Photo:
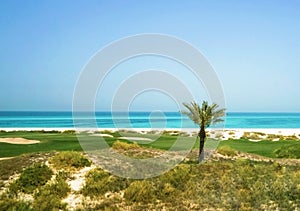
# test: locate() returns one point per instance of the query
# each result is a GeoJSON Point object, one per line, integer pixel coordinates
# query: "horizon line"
{"type": "Point", "coordinates": [144, 111]}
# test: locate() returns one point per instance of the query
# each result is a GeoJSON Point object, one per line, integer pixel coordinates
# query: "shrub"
{"type": "Point", "coordinates": [99, 182]}
{"type": "Point", "coordinates": [69, 160]}
{"type": "Point", "coordinates": [167, 193]}
{"type": "Point", "coordinates": [49, 196]}
{"type": "Point", "coordinates": [140, 191]}
{"type": "Point", "coordinates": [273, 136]}
{"type": "Point", "coordinates": [176, 176]}
{"type": "Point", "coordinates": [48, 202]}
{"type": "Point", "coordinates": [9, 204]}
{"type": "Point", "coordinates": [218, 135]}
{"type": "Point", "coordinates": [58, 188]}
{"type": "Point", "coordinates": [119, 145]}
{"type": "Point", "coordinates": [293, 138]}
{"type": "Point", "coordinates": [231, 133]}
{"type": "Point", "coordinates": [17, 164]}
{"type": "Point", "coordinates": [291, 151]}
{"type": "Point", "coordinates": [227, 150]}
{"type": "Point", "coordinates": [105, 204]}
{"type": "Point", "coordinates": [252, 135]}
{"type": "Point", "coordinates": [260, 133]}
{"type": "Point", "coordinates": [69, 132]}
{"type": "Point", "coordinates": [63, 175]}
{"type": "Point", "coordinates": [31, 178]}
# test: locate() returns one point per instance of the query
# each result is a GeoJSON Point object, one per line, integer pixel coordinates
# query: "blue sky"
{"type": "Point", "coordinates": [254, 47]}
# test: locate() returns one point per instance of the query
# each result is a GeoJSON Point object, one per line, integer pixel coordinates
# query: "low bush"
{"type": "Point", "coordinates": [69, 160]}
{"type": "Point", "coordinates": [98, 182]}
{"type": "Point", "coordinates": [119, 145]}
{"type": "Point", "coordinates": [69, 132]}
{"type": "Point", "coordinates": [218, 135]}
{"type": "Point", "coordinates": [58, 188]}
{"type": "Point", "coordinates": [231, 133]}
{"type": "Point", "coordinates": [48, 202]}
{"type": "Point", "coordinates": [140, 191]}
{"type": "Point", "coordinates": [10, 204]}
{"type": "Point", "coordinates": [105, 204]}
{"type": "Point", "coordinates": [32, 178]}
{"type": "Point", "coordinates": [274, 136]}
{"type": "Point", "coordinates": [63, 175]}
{"type": "Point", "coordinates": [227, 150]}
{"type": "Point", "coordinates": [292, 138]}
{"type": "Point", "coordinates": [49, 196]}
{"type": "Point", "coordinates": [291, 151]}
{"type": "Point", "coordinates": [176, 176]}
{"type": "Point", "coordinates": [251, 135]}
{"type": "Point", "coordinates": [260, 133]}
{"type": "Point", "coordinates": [17, 164]}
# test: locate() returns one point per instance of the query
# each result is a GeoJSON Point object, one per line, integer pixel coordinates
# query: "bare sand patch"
{"type": "Point", "coordinates": [18, 141]}
{"type": "Point", "coordinates": [103, 135]}
{"type": "Point", "coordinates": [254, 140]}
{"type": "Point", "coordinates": [136, 138]}
{"type": "Point", "coordinates": [6, 158]}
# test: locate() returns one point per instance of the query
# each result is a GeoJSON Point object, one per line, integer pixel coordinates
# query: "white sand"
{"type": "Point", "coordinates": [18, 141]}
{"type": "Point", "coordinates": [74, 199]}
{"type": "Point", "coordinates": [238, 133]}
{"type": "Point", "coordinates": [103, 135]}
{"type": "Point", "coordinates": [6, 158]}
{"type": "Point", "coordinates": [135, 138]}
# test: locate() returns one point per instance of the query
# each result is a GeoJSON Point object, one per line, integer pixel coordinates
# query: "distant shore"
{"type": "Point", "coordinates": [224, 134]}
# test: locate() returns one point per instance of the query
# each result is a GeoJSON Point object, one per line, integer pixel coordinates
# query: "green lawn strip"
{"type": "Point", "coordinates": [56, 141]}
{"type": "Point", "coordinates": [49, 142]}
{"type": "Point", "coordinates": [163, 142]}
{"type": "Point", "coordinates": [264, 148]}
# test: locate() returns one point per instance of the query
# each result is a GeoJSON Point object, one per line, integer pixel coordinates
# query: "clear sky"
{"type": "Point", "coordinates": [254, 47]}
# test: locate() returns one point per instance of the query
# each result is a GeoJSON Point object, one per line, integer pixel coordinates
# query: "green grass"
{"type": "Point", "coordinates": [264, 148]}
{"type": "Point", "coordinates": [49, 142]}
{"type": "Point", "coordinates": [57, 141]}
{"type": "Point", "coordinates": [289, 151]}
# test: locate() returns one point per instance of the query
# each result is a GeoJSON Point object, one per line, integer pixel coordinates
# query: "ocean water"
{"type": "Point", "coordinates": [143, 120]}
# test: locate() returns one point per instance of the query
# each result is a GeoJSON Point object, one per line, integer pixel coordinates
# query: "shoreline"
{"type": "Point", "coordinates": [275, 131]}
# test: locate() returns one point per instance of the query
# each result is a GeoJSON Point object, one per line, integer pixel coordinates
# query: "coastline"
{"type": "Point", "coordinates": [224, 133]}
{"type": "Point", "coordinates": [271, 130]}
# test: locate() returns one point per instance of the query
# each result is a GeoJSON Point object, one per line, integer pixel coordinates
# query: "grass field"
{"type": "Point", "coordinates": [264, 148]}
{"type": "Point", "coordinates": [49, 142]}
{"type": "Point", "coordinates": [57, 141]}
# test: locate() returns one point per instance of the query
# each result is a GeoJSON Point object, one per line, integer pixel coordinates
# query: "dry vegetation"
{"type": "Point", "coordinates": [229, 184]}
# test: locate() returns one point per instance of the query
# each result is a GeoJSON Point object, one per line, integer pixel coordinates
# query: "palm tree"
{"type": "Point", "coordinates": [203, 116]}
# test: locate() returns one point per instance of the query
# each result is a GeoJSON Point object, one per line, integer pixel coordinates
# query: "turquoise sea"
{"type": "Point", "coordinates": [144, 120]}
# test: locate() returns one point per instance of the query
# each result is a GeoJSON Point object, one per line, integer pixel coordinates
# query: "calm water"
{"type": "Point", "coordinates": [144, 120]}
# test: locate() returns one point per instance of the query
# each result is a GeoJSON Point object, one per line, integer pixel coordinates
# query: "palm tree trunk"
{"type": "Point", "coordinates": [202, 136]}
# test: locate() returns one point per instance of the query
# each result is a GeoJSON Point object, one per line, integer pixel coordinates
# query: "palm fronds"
{"type": "Point", "coordinates": [204, 115]}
